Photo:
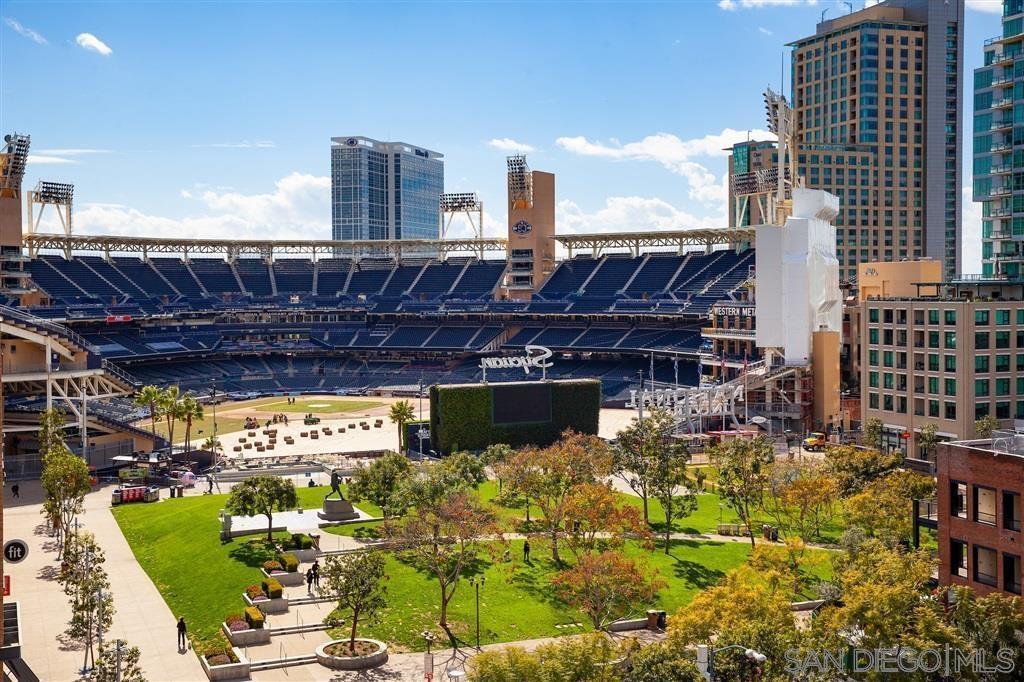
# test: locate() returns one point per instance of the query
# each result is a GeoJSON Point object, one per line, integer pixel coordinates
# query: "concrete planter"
{"type": "Point", "coordinates": [294, 579]}
{"type": "Point", "coordinates": [305, 555]}
{"type": "Point", "coordinates": [378, 658]}
{"type": "Point", "coordinates": [247, 637]}
{"type": "Point", "coordinates": [229, 671]}
{"type": "Point", "coordinates": [267, 606]}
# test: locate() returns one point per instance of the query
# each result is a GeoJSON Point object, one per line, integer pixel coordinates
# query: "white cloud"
{"type": "Point", "coordinates": [244, 144]}
{"type": "Point", "coordinates": [629, 214]}
{"type": "Point", "coordinates": [764, 31]}
{"type": "Point", "coordinates": [62, 156]}
{"type": "Point", "coordinates": [990, 6]}
{"type": "Point", "coordinates": [25, 31]}
{"type": "Point", "coordinates": [733, 5]}
{"type": "Point", "coordinates": [507, 144]}
{"type": "Point", "coordinates": [674, 154]}
{"type": "Point", "coordinates": [88, 41]}
{"type": "Point", "coordinates": [46, 160]}
{"type": "Point", "coordinates": [970, 237]}
{"type": "Point", "coordinates": [297, 208]}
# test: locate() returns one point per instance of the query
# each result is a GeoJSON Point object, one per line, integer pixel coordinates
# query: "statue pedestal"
{"type": "Point", "coordinates": [338, 510]}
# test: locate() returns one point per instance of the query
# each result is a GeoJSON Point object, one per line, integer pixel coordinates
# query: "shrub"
{"type": "Point", "coordinates": [272, 588]}
{"type": "Point", "coordinates": [236, 622]}
{"type": "Point", "coordinates": [289, 562]}
{"type": "Point", "coordinates": [220, 656]}
{"type": "Point", "coordinates": [271, 566]}
{"type": "Point", "coordinates": [254, 617]}
{"type": "Point", "coordinates": [301, 541]}
{"type": "Point", "coordinates": [255, 592]}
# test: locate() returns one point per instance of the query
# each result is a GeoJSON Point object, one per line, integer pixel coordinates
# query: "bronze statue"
{"type": "Point", "coordinates": [335, 486]}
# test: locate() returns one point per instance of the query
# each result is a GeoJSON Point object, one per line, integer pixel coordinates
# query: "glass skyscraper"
{"type": "Point", "coordinates": [384, 190]}
{"type": "Point", "coordinates": [999, 146]}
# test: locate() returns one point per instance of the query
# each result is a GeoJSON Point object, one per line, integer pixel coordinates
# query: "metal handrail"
{"type": "Point", "coordinates": [124, 376]}
{"type": "Point", "coordinates": [60, 330]}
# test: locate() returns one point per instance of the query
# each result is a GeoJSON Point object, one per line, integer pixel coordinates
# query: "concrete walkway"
{"type": "Point", "coordinates": [142, 618]}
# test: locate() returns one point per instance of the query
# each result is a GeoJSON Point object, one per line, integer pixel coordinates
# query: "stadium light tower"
{"type": "Point", "coordinates": [782, 122]}
{"type": "Point", "coordinates": [466, 203]}
{"type": "Point", "coordinates": [56, 194]}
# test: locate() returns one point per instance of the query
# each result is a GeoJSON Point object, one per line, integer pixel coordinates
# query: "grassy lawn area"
{"type": "Point", "coordinates": [317, 405]}
{"type": "Point", "coordinates": [517, 600]}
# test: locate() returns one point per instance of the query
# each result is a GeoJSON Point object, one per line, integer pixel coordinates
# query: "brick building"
{"type": "Point", "coordinates": [980, 483]}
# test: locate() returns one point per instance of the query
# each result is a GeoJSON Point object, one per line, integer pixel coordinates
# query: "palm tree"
{"type": "Point", "coordinates": [401, 414]}
{"type": "Point", "coordinates": [190, 411]}
{"type": "Point", "coordinates": [149, 397]}
{"type": "Point", "coordinates": [169, 408]}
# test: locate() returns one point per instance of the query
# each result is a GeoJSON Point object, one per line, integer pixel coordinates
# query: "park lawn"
{"type": "Point", "coordinates": [177, 542]}
{"type": "Point", "coordinates": [518, 601]}
{"type": "Point", "coordinates": [315, 405]}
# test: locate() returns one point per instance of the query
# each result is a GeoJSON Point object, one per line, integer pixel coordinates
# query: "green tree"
{"type": "Point", "coordinates": [85, 582]}
{"type": "Point", "coordinates": [872, 433]}
{"type": "Point", "coordinates": [984, 427]}
{"type": "Point", "coordinates": [401, 414]}
{"type": "Point", "coordinates": [381, 482]}
{"type": "Point", "coordinates": [927, 439]}
{"type": "Point", "coordinates": [65, 477]}
{"type": "Point", "coordinates": [643, 449]}
{"type": "Point", "coordinates": [169, 406]}
{"type": "Point", "coordinates": [586, 658]}
{"type": "Point", "coordinates": [672, 486]}
{"type": "Point", "coordinates": [189, 411]}
{"type": "Point", "coordinates": [114, 666]}
{"type": "Point", "coordinates": [606, 587]}
{"type": "Point", "coordinates": [884, 508]}
{"type": "Point", "coordinates": [443, 540]}
{"type": "Point", "coordinates": [494, 456]}
{"type": "Point", "coordinates": [357, 581]}
{"type": "Point", "coordinates": [800, 498]}
{"type": "Point", "coordinates": [149, 397]}
{"type": "Point", "coordinates": [463, 466]}
{"type": "Point", "coordinates": [742, 465]}
{"type": "Point", "coordinates": [854, 467]}
{"type": "Point", "coordinates": [548, 476]}
{"type": "Point", "coordinates": [262, 495]}
{"type": "Point", "coordinates": [660, 662]}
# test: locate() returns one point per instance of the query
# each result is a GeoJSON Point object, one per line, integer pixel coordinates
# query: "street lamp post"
{"type": "Point", "coordinates": [706, 658]}
{"type": "Point", "coordinates": [477, 582]}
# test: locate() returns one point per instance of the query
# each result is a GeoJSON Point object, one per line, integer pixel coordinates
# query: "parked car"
{"type": "Point", "coordinates": [815, 442]}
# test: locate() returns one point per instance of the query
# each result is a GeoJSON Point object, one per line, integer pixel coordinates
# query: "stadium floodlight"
{"type": "Point", "coordinates": [520, 182]}
{"type": "Point", "coordinates": [467, 203]}
{"type": "Point", "coordinates": [60, 195]}
{"type": "Point", "coordinates": [13, 159]}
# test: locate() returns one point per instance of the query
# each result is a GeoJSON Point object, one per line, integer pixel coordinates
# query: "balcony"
{"type": "Point", "coordinates": [1001, 125]}
{"type": "Point", "coordinates": [1002, 103]}
{"type": "Point", "coordinates": [999, 192]}
{"type": "Point", "coordinates": [1000, 146]}
{"type": "Point", "coordinates": [999, 170]}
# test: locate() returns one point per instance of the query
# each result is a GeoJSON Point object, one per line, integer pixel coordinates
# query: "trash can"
{"type": "Point", "coordinates": [656, 620]}
{"type": "Point", "coordinates": [766, 531]}
{"type": "Point", "coordinates": [115, 496]}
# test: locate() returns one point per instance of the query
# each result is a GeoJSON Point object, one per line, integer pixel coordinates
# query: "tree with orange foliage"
{"type": "Point", "coordinates": [597, 519]}
{"type": "Point", "coordinates": [550, 474]}
{"type": "Point", "coordinates": [606, 587]}
{"type": "Point", "coordinates": [444, 539]}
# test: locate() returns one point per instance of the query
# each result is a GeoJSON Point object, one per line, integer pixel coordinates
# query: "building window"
{"type": "Point", "coordinates": [873, 379]}
{"type": "Point", "coordinates": [872, 314]}
{"type": "Point", "coordinates": [958, 499]}
{"type": "Point", "coordinates": [980, 340]}
{"type": "Point", "coordinates": [933, 339]}
{"type": "Point", "coordinates": [1011, 510]}
{"type": "Point", "coordinates": [949, 387]}
{"type": "Point", "coordinates": [980, 317]}
{"type": "Point", "coordinates": [1002, 317]}
{"type": "Point", "coordinates": [950, 410]}
{"type": "Point", "coordinates": [950, 316]}
{"type": "Point", "coordinates": [873, 401]}
{"type": "Point", "coordinates": [1003, 410]}
{"type": "Point", "coordinates": [950, 363]}
{"type": "Point", "coordinates": [933, 316]}
{"type": "Point", "coordinates": [933, 362]}
{"type": "Point", "coordinates": [1002, 363]}
{"type": "Point", "coordinates": [1002, 339]}
{"type": "Point", "coordinates": [980, 363]}
{"type": "Point", "coordinates": [873, 336]}
{"type": "Point", "coordinates": [933, 408]}
{"type": "Point", "coordinates": [951, 340]}
{"type": "Point", "coordinates": [985, 566]}
{"type": "Point", "coordinates": [981, 387]}
{"type": "Point", "coordinates": [1011, 573]}
{"type": "Point", "coordinates": [958, 558]}
{"type": "Point", "coordinates": [984, 505]}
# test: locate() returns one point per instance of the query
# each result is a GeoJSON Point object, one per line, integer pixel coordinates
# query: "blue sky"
{"type": "Point", "coordinates": [215, 119]}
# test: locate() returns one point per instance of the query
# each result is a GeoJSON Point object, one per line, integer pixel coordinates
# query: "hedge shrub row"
{"type": "Point", "coordinates": [272, 588]}
{"type": "Point", "coordinates": [288, 562]}
{"type": "Point", "coordinates": [271, 566]}
{"type": "Point", "coordinates": [460, 416]}
{"type": "Point", "coordinates": [254, 592]}
{"type": "Point", "coordinates": [254, 617]}
{"type": "Point", "coordinates": [301, 541]}
{"type": "Point", "coordinates": [236, 622]}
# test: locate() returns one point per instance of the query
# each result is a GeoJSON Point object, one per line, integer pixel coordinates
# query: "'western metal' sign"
{"type": "Point", "coordinates": [536, 356]}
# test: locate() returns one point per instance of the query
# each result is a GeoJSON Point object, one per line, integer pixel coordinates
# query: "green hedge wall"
{"type": "Point", "coordinates": [460, 416]}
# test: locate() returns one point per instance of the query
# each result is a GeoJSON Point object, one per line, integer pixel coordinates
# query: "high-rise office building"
{"type": "Point", "coordinates": [999, 145]}
{"type": "Point", "coordinates": [384, 190]}
{"type": "Point", "coordinates": [877, 95]}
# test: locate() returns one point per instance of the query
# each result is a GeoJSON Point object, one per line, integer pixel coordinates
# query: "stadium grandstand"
{"type": "Point", "coordinates": [358, 324]}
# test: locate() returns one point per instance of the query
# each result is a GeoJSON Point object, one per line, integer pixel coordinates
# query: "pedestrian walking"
{"type": "Point", "coordinates": [309, 581]}
{"type": "Point", "coordinates": [182, 631]}
{"type": "Point", "coordinates": [15, 490]}
{"type": "Point", "coordinates": [209, 483]}
{"type": "Point", "coordinates": [316, 573]}
{"type": "Point", "coordinates": [526, 551]}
